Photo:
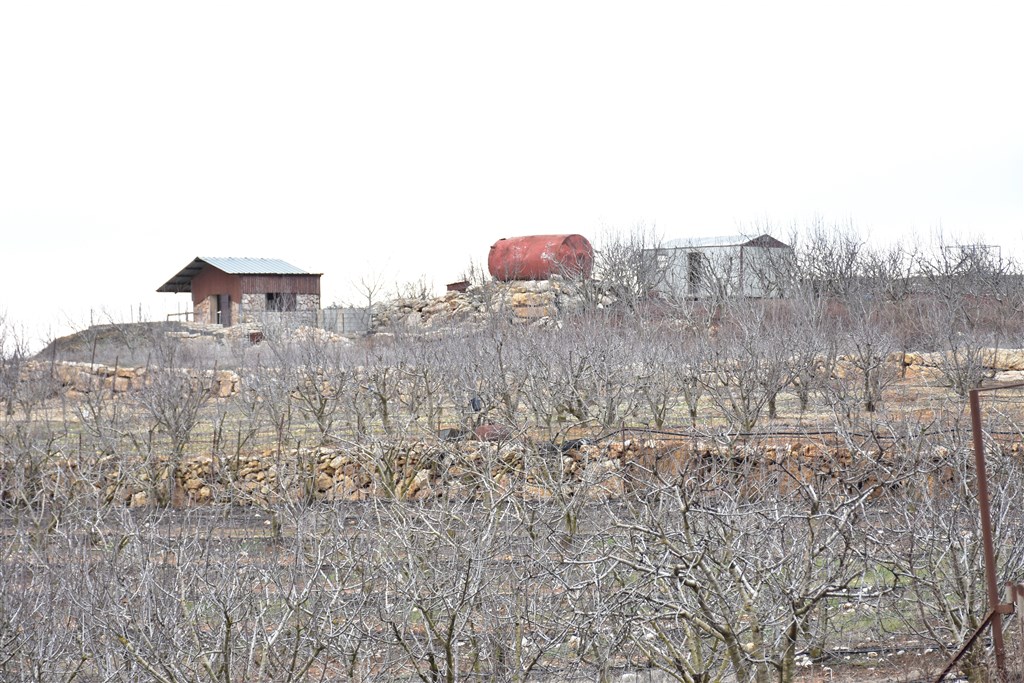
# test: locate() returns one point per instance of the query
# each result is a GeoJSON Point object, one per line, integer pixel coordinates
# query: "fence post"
{"type": "Point", "coordinates": [986, 534]}
{"type": "Point", "coordinates": [1017, 599]}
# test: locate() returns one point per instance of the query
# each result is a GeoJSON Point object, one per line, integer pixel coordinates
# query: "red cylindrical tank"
{"type": "Point", "coordinates": [538, 257]}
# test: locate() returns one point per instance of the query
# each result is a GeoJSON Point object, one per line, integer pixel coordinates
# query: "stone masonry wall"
{"type": "Point", "coordinates": [203, 311]}
{"type": "Point", "coordinates": [421, 470]}
{"type": "Point", "coordinates": [83, 378]}
{"type": "Point", "coordinates": [539, 302]}
{"type": "Point", "coordinates": [253, 306]}
{"type": "Point", "coordinates": [307, 302]}
{"type": "Point", "coordinates": [254, 309]}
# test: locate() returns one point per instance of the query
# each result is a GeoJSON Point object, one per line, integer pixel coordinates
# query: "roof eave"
{"type": "Point", "coordinates": [182, 282]}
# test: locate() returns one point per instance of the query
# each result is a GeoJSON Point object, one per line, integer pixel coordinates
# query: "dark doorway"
{"type": "Point", "coordinates": [224, 309]}
{"type": "Point", "coordinates": [697, 270]}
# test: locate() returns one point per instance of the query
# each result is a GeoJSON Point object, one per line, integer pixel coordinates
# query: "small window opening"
{"type": "Point", "coordinates": [280, 301]}
{"type": "Point", "coordinates": [698, 267]}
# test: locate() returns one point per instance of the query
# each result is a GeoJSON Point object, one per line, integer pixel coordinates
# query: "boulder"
{"type": "Point", "coordinates": [1003, 359]}
{"type": "Point", "coordinates": [117, 384]}
{"type": "Point", "coordinates": [534, 312]}
{"type": "Point", "coordinates": [603, 479]}
{"type": "Point", "coordinates": [225, 383]}
{"type": "Point", "coordinates": [1009, 376]}
{"type": "Point", "coordinates": [324, 482]}
{"type": "Point", "coordinates": [925, 374]}
{"type": "Point", "coordinates": [420, 484]}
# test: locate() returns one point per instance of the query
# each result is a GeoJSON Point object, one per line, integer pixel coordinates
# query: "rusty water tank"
{"type": "Point", "coordinates": [538, 257]}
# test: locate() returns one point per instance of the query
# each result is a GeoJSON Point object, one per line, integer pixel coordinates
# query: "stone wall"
{"type": "Point", "coordinates": [90, 377]}
{"type": "Point", "coordinates": [254, 310]}
{"type": "Point", "coordinates": [206, 311]}
{"type": "Point", "coordinates": [253, 306]}
{"type": "Point", "coordinates": [539, 302]}
{"type": "Point", "coordinates": [421, 470]}
{"type": "Point", "coordinates": [405, 471]}
{"type": "Point", "coordinates": [85, 378]}
{"type": "Point", "coordinates": [202, 312]}
{"type": "Point", "coordinates": [1003, 365]}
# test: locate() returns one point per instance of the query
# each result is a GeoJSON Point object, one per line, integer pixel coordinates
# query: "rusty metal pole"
{"type": "Point", "coordinates": [1018, 604]}
{"type": "Point", "coordinates": [986, 534]}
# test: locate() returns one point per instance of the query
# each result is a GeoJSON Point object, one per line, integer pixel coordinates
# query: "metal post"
{"type": "Point", "coordinates": [1018, 604]}
{"type": "Point", "coordinates": [986, 534]}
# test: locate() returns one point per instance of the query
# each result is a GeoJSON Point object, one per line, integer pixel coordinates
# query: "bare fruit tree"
{"type": "Point", "coordinates": [736, 566]}
{"type": "Point", "coordinates": [173, 397]}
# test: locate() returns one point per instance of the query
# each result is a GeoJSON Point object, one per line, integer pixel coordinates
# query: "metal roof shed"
{"type": "Point", "coordinates": [226, 290]}
{"type": "Point", "coordinates": [731, 265]}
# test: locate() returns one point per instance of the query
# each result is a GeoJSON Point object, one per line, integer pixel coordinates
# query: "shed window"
{"type": "Point", "coordinates": [280, 301]}
{"type": "Point", "coordinates": [698, 270]}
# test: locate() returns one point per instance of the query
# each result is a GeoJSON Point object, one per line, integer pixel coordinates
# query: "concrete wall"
{"type": "Point", "coordinates": [347, 320]}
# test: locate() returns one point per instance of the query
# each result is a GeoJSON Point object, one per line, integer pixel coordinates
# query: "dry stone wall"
{"type": "Point", "coordinates": [536, 302]}
{"type": "Point", "coordinates": [1004, 365]}
{"type": "Point", "coordinates": [420, 471]}
{"type": "Point", "coordinates": [533, 302]}
{"type": "Point", "coordinates": [85, 378]}
{"type": "Point", "coordinates": [90, 377]}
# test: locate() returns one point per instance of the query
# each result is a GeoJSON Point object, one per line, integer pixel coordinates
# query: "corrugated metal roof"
{"type": "Point", "coordinates": [725, 241]}
{"type": "Point", "coordinates": [182, 282]}
{"type": "Point", "coordinates": [716, 241]}
{"type": "Point", "coordinates": [252, 266]}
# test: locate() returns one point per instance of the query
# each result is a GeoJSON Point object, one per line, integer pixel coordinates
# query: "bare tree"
{"type": "Point", "coordinates": [932, 544]}
{"type": "Point", "coordinates": [13, 353]}
{"type": "Point", "coordinates": [321, 375]}
{"type": "Point", "coordinates": [371, 290]}
{"type": "Point", "coordinates": [173, 397]}
{"type": "Point", "coordinates": [864, 368]}
{"type": "Point", "coordinates": [830, 257]}
{"type": "Point", "coordinates": [627, 266]}
{"type": "Point", "coordinates": [735, 566]}
{"type": "Point", "coordinates": [748, 367]}
{"type": "Point", "coordinates": [812, 340]}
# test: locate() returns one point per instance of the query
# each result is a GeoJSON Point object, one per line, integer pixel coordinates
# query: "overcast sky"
{"type": "Point", "coordinates": [396, 140]}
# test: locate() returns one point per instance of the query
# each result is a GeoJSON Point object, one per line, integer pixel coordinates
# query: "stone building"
{"type": "Point", "coordinates": [229, 291]}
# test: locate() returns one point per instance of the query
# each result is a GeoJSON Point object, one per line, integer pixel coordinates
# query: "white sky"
{"type": "Point", "coordinates": [401, 139]}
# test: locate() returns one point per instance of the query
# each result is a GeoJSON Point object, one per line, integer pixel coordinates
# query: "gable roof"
{"type": "Point", "coordinates": [726, 241]}
{"type": "Point", "coordinates": [182, 282]}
